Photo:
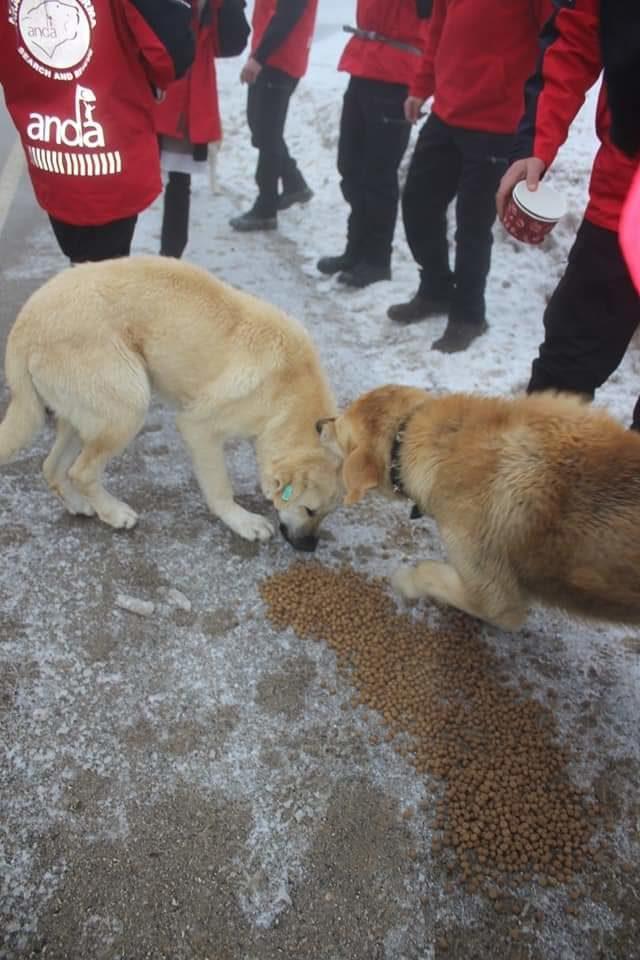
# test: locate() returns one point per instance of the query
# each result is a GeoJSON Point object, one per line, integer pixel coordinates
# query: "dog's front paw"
{"type": "Point", "coordinates": [251, 526]}
{"type": "Point", "coordinates": [120, 516]}
{"type": "Point", "coordinates": [403, 582]}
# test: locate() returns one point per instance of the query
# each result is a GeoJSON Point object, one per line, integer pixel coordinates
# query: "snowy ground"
{"type": "Point", "coordinates": [196, 784]}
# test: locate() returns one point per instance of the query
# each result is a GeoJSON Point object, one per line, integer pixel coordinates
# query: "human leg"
{"type": "Point", "coordinates": [484, 159]}
{"type": "Point", "coordinates": [432, 181]}
{"type": "Point", "coordinates": [175, 214]}
{"type": "Point", "coordinates": [267, 106]}
{"type": "Point", "coordinates": [384, 137]}
{"type": "Point", "coordinates": [590, 319]}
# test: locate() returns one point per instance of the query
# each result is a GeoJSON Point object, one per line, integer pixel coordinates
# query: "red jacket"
{"type": "Point", "coordinates": [292, 56]}
{"type": "Point", "coordinates": [77, 81]}
{"type": "Point", "coordinates": [630, 230]}
{"type": "Point", "coordinates": [190, 108]}
{"type": "Point", "coordinates": [570, 64]}
{"type": "Point", "coordinates": [477, 57]}
{"type": "Point", "coordinates": [374, 60]}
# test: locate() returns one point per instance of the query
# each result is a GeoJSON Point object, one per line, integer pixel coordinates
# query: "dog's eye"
{"type": "Point", "coordinates": [310, 513]}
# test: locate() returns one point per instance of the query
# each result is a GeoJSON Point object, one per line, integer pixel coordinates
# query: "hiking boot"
{"type": "Point", "coordinates": [331, 265]}
{"type": "Point", "coordinates": [250, 221]}
{"type": "Point", "coordinates": [459, 335]}
{"type": "Point", "coordinates": [418, 308]}
{"type": "Point", "coordinates": [364, 274]}
{"type": "Point", "coordinates": [299, 195]}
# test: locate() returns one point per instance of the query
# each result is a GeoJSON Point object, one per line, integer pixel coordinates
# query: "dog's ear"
{"type": "Point", "coordinates": [359, 474]}
{"type": "Point", "coordinates": [326, 429]}
{"type": "Point", "coordinates": [328, 434]}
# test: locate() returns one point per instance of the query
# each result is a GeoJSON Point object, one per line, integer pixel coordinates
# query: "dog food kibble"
{"type": "Point", "coordinates": [508, 807]}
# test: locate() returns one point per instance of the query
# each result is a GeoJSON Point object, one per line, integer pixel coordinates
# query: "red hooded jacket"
{"type": "Point", "coordinates": [630, 230]}
{"type": "Point", "coordinates": [477, 57]}
{"type": "Point", "coordinates": [292, 56]}
{"type": "Point", "coordinates": [77, 79]}
{"type": "Point", "coordinates": [375, 60]}
{"type": "Point", "coordinates": [570, 63]}
{"type": "Point", "coordinates": [190, 107]}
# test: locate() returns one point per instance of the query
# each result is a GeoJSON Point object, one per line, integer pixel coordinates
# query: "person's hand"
{"type": "Point", "coordinates": [412, 108]}
{"type": "Point", "coordinates": [250, 71]}
{"type": "Point", "coordinates": [530, 170]}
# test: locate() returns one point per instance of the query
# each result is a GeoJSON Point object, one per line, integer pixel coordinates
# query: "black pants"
{"type": "Point", "coordinates": [451, 162]}
{"type": "Point", "coordinates": [101, 242]}
{"type": "Point", "coordinates": [267, 106]}
{"type": "Point", "coordinates": [373, 137]}
{"type": "Point", "coordinates": [175, 215]}
{"type": "Point", "coordinates": [590, 319]}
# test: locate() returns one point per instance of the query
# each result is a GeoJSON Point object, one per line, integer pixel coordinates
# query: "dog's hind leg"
{"type": "Point", "coordinates": [55, 468]}
{"type": "Point", "coordinates": [442, 583]}
{"type": "Point", "coordinates": [207, 454]}
{"type": "Point", "coordinates": [103, 437]}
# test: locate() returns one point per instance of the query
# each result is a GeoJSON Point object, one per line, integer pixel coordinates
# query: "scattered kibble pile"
{"type": "Point", "coordinates": [508, 806]}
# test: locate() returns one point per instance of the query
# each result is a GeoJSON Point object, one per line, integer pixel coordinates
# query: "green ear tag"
{"type": "Point", "coordinates": [287, 493]}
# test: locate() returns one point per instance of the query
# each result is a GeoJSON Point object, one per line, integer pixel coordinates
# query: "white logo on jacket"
{"type": "Point", "coordinates": [80, 130]}
{"type": "Point", "coordinates": [55, 35]}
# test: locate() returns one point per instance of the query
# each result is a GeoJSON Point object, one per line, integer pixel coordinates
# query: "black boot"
{"type": "Point", "coordinates": [363, 274]}
{"type": "Point", "coordinates": [418, 308]}
{"type": "Point", "coordinates": [331, 265]}
{"type": "Point", "coordinates": [297, 191]}
{"type": "Point", "coordinates": [459, 335]}
{"type": "Point", "coordinates": [254, 220]}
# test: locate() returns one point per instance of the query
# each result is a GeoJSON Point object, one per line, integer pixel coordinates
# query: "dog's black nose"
{"type": "Point", "coordinates": [308, 544]}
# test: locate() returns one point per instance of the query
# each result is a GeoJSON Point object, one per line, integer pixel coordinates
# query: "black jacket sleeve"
{"type": "Point", "coordinates": [424, 9]}
{"type": "Point", "coordinates": [620, 43]}
{"type": "Point", "coordinates": [287, 14]}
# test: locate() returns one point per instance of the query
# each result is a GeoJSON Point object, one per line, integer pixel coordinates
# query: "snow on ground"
{"type": "Point", "coordinates": [186, 784]}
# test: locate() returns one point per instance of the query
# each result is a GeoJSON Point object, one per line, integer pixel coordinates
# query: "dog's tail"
{"type": "Point", "coordinates": [25, 414]}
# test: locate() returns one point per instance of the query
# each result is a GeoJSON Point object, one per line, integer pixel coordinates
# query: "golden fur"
{"type": "Point", "coordinates": [93, 343]}
{"type": "Point", "coordinates": [537, 498]}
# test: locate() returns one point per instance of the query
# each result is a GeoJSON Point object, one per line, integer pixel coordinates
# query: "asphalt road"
{"type": "Point", "coordinates": [21, 220]}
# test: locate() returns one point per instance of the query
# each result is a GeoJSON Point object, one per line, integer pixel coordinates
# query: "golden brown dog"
{"type": "Point", "coordinates": [537, 498]}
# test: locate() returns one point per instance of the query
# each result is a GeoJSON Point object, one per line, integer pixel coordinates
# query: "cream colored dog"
{"type": "Point", "coordinates": [93, 342]}
{"type": "Point", "coordinates": [537, 498]}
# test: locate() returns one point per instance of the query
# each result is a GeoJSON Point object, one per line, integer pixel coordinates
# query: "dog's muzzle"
{"type": "Point", "coordinates": [308, 543]}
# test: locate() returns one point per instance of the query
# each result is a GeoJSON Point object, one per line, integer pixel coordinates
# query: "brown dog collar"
{"type": "Point", "coordinates": [395, 471]}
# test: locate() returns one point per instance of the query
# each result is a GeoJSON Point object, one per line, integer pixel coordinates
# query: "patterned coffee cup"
{"type": "Point", "coordinates": [532, 214]}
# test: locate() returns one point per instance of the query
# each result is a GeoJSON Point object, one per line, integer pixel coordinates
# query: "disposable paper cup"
{"type": "Point", "coordinates": [531, 214]}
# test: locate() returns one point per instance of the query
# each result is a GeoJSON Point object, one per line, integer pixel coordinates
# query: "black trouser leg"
{"type": "Point", "coordinates": [290, 175]}
{"type": "Point", "coordinates": [350, 164]}
{"type": "Point", "coordinates": [267, 105]}
{"type": "Point", "coordinates": [373, 138]}
{"type": "Point", "coordinates": [432, 181]}
{"type": "Point", "coordinates": [386, 138]}
{"type": "Point", "coordinates": [102, 242]}
{"type": "Point", "coordinates": [484, 160]}
{"type": "Point", "coordinates": [175, 215]}
{"type": "Point", "coordinates": [590, 319]}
